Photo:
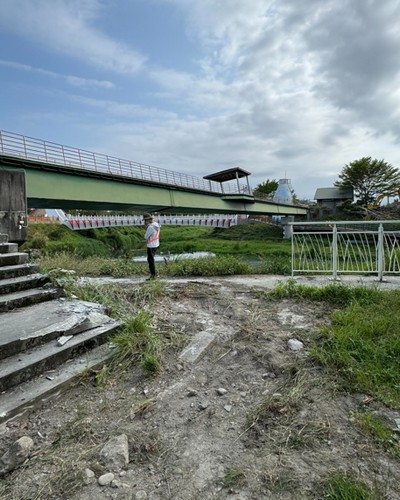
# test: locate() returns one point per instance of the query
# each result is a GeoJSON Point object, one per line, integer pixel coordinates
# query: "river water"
{"type": "Point", "coordinates": [176, 256]}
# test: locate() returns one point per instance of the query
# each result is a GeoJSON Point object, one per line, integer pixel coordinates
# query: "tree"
{"type": "Point", "coordinates": [369, 178]}
{"type": "Point", "coordinates": [267, 187]}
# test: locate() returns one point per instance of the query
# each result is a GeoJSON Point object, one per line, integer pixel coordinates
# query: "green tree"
{"type": "Point", "coordinates": [369, 178]}
{"type": "Point", "coordinates": [267, 187]}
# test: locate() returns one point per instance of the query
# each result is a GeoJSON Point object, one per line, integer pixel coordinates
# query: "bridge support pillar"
{"type": "Point", "coordinates": [287, 227]}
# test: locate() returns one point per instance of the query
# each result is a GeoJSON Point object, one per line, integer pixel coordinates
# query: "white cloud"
{"type": "Point", "coordinates": [72, 80]}
{"type": "Point", "coordinates": [281, 87]}
{"type": "Point", "coordinates": [68, 26]}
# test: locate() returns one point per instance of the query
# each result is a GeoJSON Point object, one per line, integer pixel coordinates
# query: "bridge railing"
{"type": "Point", "coordinates": [51, 153]}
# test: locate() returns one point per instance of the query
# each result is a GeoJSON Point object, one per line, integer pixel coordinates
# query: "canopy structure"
{"type": "Point", "coordinates": [229, 175]}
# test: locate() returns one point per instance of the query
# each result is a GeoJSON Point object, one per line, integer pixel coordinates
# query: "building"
{"type": "Point", "coordinates": [330, 199]}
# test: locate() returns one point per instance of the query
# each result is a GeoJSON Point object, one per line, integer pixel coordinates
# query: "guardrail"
{"type": "Point", "coordinates": [82, 222]}
{"type": "Point", "coordinates": [351, 247]}
{"type": "Point", "coordinates": [51, 153]}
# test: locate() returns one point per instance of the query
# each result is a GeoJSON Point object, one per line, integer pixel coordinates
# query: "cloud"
{"type": "Point", "coordinates": [67, 26]}
{"type": "Point", "coordinates": [279, 87]}
{"type": "Point", "coordinates": [132, 111]}
{"type": "Point", "coordinates": [72, 80]}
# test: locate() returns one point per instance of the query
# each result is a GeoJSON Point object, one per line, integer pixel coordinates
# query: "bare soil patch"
{"type": "Point", "coordinates": [251, 419]}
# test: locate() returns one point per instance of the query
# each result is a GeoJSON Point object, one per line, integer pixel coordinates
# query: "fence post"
{"type": "Point", "coordinates": [292, 238]}
{"type": "Point", "coordinates": [334, 252]}
{"type": "Point", "coordinates": [381, 253]}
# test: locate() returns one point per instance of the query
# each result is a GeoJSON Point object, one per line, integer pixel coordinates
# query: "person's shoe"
{"type": "Point", "coordinates": [151, 278]}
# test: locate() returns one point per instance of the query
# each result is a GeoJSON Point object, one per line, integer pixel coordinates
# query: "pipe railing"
{"type": "Point", "coordinates": [51, 153]}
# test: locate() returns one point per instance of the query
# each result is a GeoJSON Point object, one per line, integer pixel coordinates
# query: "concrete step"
{"type": "Point", "coordinates": [20, 283]}
{"type": "Point", "coordinates": [29, 395]}
{"type": "Point", "coordinates": [25, 298]}
{"type": "Point", "coordinates": [17, 369]}
{"type": "Point", "coordinates": [8, 247]}
{"type": "Point", "coordinates": [17, 270]}
{"type": "Point", "coordinates": [29, 327]}
{"type": "Point", "coordinates": [12, 259]}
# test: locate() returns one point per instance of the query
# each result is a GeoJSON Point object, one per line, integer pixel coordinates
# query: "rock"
{"type": "Point", "coordinates": [106, 479]}
{"type": "Point", "coordinates": [191, 392]}
{"type": "Point", "coordinates": [228, 408]}
{"type": "Point", "coordinates": [115, 452]}
{"type": "Point", "coordinates": [141, 495]}
{"type": "Point", "coordinates": [89, 476]}
{"type": "Point", "coordinates": [221, 391]}
{"type": "Point", "coordinates": [295, 345]}
{"type": "Point", "coordinates": [18, 452]}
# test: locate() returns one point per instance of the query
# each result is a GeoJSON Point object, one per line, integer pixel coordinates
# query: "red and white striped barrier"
{"type": "Point", "coordinates": [83, 222]}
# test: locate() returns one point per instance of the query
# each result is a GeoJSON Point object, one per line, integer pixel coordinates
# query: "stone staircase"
{"type": "Point", "coordinates": [46, 340]}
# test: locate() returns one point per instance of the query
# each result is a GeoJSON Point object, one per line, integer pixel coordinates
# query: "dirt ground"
{"type": "Point", "coordinates": [251, 419]}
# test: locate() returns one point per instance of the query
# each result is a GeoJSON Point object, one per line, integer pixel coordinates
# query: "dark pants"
{"type": "Point", "coordinates": [151, 252]}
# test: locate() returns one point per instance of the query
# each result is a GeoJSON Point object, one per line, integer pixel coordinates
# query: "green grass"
{"type": "Point", "coordinates": [257, 248]}
{"type": "Point", "coordinates": [335, 293]}
{"type": "Point", "coordinates": [136, 344]}
{"type": "Point", "coordinates": [342, 486]}
{"type": "Point", "coordinates": [362, 345]}
{"type": "Point", "coordinates": [379, 430]}
{"type": "Point", "coordinates": [233, 478]}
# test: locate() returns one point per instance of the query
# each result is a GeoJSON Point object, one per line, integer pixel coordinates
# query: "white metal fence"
{"type": "Point", "coordinates": [346, 247]}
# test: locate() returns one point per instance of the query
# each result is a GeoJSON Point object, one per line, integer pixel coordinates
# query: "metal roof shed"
{"type": "Point", "coordinates": [229, 175]}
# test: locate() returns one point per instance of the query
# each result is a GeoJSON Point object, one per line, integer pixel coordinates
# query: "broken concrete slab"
{"type": "Point", "coordinates": [197, 347]}
{"type": "Point", "coordinates": [47, 321]}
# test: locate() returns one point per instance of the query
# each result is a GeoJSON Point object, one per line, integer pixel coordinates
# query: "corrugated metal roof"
{"type": "Point", "coordinates": [333, 193]}
{"type": "Point", "coordinates": [227, 175]}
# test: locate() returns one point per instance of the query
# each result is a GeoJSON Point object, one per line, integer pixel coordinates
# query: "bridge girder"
{"type": "Point", "coordinates": [47, 188]}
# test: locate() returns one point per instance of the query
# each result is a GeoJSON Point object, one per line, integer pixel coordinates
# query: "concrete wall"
{"type": "Point", "coordinates": [13, 216]}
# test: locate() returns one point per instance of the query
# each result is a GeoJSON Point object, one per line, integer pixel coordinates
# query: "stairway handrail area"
{"type": "Point", "coordinates": [29, 148]}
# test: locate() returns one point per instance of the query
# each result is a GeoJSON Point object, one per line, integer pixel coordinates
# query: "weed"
{"type": "Point", "coordinates": [342, 486]}
{"type": "Point", "coordinates": [142, 407]}
{"type": "Point", "coordinates": [136, 343]}
{"type": "Point", "coordinates": [280, 405]}
{"type": "Point", "coordinates": [363, 346]}
{"type": "Point", "coordinates": [335, 293]}
{"type": "Point", "coordinates": [77, 430]}
{"type": "Point", "coordinates": [120, 301]}
{"type": "Point", "coordinates": [278, 480]}
{"type": "Point", "coordinates": [308, 434]}
{"type": "Point", "coordinates": [233, 478]}
{"type": "Point", "coordinates": [208, 266]}
{"type": "Point", "coordinates": [101, 376]}
{"type": "Point", "coordinates": [379, 430]}
{"type": "Point", "coordinates": [144, 446]}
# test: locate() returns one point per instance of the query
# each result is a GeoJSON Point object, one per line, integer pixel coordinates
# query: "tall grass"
{"type": "Point", "coordinates": [137, 343]}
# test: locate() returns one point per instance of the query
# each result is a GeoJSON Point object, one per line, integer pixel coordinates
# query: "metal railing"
{"type": "Point", "coordinates": [82, 222]}
{"type": "Point", "coordinates": [16, 145]}
{"type": "Point", "coordinates": [351, 247]}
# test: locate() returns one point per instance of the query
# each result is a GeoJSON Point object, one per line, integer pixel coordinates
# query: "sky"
{"type": "Point", "coordinates": [283, 89]}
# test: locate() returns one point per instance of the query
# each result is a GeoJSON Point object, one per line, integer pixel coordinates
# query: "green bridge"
{"type": "Point", "coordinates": [68, 178]}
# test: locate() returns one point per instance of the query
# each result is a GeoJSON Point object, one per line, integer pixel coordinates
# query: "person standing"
{"type": "Point", "coordinates": [152, 237]}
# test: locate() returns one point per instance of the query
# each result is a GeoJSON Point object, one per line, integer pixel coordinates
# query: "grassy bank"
{"type": "Point", "coordinates": [245, 249]}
